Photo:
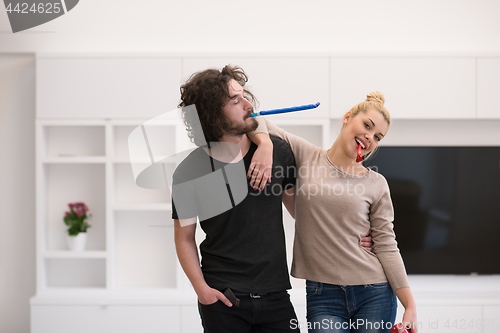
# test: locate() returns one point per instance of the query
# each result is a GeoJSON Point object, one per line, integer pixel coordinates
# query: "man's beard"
{"type": "Point", "coordinates": [240, 129]}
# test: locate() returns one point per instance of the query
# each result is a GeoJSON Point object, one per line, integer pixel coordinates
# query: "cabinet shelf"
{"type": "Point", "coordinates": [145, 160]}
{"type": "Point", "coordinates": [117, 296]}
{"type": "Point", "coordinates": [126, 160]}
{"type": "Point", "coordinates": [142, 207]}
{"type": "Point", "coordinates": [72, 139]}
{"type": "Point", "coordinates": [59, 295]}
{"type": "Point", "coordinates": [70, 254]}
{"type": "Point", "coordinates": [75, 272]}
{"type": "Point", "coordinates": [74, 160]}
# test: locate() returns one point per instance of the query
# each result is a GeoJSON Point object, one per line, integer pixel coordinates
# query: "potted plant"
{"type": "Point", "coordinates": [76, 219]}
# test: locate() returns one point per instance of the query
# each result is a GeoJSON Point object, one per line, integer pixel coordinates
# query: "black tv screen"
{"type": "Point", "coordinates": [446, 205]}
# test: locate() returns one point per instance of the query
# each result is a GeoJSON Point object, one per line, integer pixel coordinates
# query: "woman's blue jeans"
{"type": "Point", "coordinates": [361, 308]}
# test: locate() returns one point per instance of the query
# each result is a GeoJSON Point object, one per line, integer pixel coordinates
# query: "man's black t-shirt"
{"type": "Point", "coordinates": [244, 248]}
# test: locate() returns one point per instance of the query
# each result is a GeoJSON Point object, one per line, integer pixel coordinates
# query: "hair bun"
{"type": "Point", "coordinates": [376, 96]}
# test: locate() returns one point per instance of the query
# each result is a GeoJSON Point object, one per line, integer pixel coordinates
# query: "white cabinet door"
{"type": "Point", "coordinates": [106, 87]}
{"type": "Point", "coordinates": [62, 319]}
{"type": "Point", "coordinates": [104, 319]}
{"type": "Point", "coordinates": [190, 319]}
{"type": "Point", "coordinates": [414, 88]}
{"type": "Point", "coordinates": [488, 88]}
{"type": "Point", "coordinates": [278, 82]}
{"type": "Point", "coordinates": [144, 318]}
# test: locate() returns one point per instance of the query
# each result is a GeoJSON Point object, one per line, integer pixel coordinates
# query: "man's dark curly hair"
{"type": "Point", "coordinates": [209, 91]}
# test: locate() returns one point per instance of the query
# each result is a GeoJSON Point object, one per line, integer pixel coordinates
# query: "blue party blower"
{"type": "Point", "coordinates": [292, 109]}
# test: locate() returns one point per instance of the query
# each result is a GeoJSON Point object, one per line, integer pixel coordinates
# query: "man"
{"type": "Point", "coordinates": [244, 249]}
{"type": "Point", "coordinates": [243, 256]}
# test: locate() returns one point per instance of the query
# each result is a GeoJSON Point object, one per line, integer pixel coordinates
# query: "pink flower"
{"type": "Point", "coordinates": [79, 208]}
{"type": "Point", "coordinates": [66, 214]}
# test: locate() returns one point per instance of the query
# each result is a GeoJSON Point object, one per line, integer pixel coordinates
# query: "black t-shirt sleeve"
{"type": "Point", "coordinates": [286, 160]}
{"type": "Point", "coordinates": [184, 205]}
{"type": "Point", "coordinates": [174, 212]}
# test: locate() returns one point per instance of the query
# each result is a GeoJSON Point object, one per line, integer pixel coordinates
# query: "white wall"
{"type": "Point", "coordinates": [262, 25]}
{"type": "Point", "coordinates": [17, 191]}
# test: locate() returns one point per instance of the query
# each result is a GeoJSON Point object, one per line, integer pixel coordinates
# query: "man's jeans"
{"type": "Point", "coordinates": [359, 308]}
{"type": "Point", "coordinates": [267, 313]}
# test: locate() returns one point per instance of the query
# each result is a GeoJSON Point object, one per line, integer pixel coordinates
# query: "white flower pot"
{"type": "Point", "coordinates": [77, 243]}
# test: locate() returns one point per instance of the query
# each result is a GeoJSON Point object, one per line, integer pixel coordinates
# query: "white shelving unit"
{"type": "Point", "coordinates": [70, 168]}
{"type": "Point", "coordinates": [130, 255]}
{"type": "Point", "coordinates": [129, 279]}
{"type": "Point", "coordinates": [130, 243]}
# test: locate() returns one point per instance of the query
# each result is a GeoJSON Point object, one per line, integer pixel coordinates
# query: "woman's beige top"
{"type": "Point", "coordinates": [334, 209]}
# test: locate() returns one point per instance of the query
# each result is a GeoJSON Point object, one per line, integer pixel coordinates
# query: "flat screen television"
{"type": "Point", "coordinates": [446, 205]}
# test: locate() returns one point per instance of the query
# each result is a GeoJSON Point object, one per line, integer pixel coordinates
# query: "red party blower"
{"type": "Point", "coordinates": [395, 329]}
{"type": "Point", "coordinates": [360, 157]}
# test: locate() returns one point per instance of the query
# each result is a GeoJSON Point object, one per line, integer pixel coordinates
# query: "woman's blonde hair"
{"type": "Point", "coordinates": [374, 100]}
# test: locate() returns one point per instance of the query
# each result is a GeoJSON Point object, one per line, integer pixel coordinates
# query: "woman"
{"type": "Point", "coordinates": [337, 201]}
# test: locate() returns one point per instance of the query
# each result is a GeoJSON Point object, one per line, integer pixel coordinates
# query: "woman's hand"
{"type": "Point", "coordinates": [260, 169]}
{"type": "Point", "coordinates": [367, 242]}
{"type": "Point", "coordinates": [410, 315]}
{"type": "Point", "coordinates": [410, 320]}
